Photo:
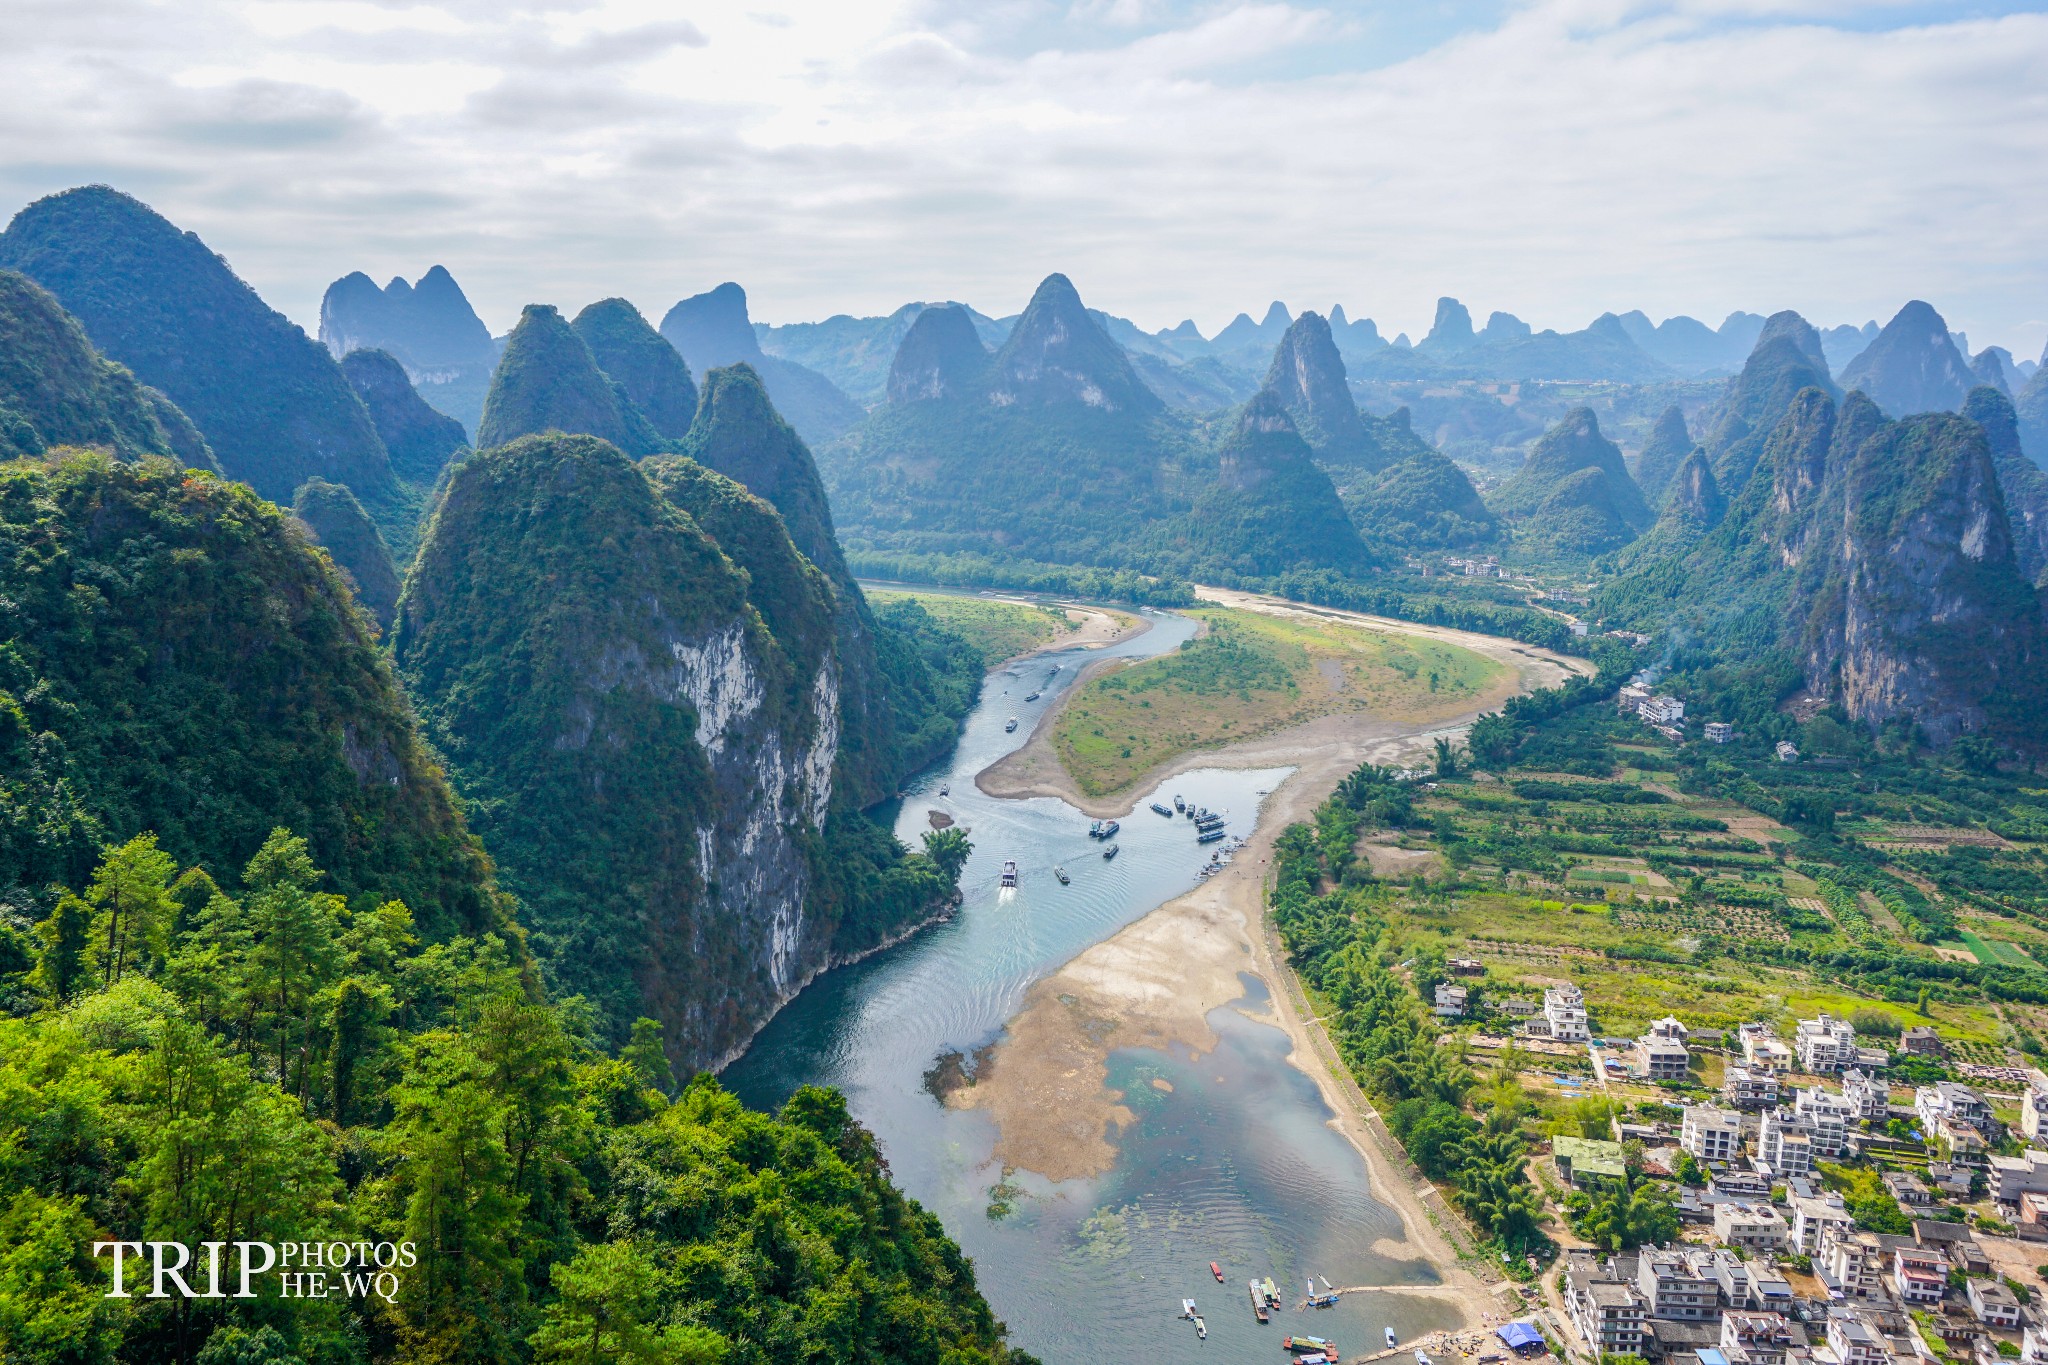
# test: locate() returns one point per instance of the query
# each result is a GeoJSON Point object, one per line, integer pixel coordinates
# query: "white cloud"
{"type": "Point", "coordinates": [1174, 158]}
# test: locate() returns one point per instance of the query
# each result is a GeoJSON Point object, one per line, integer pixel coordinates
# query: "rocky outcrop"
{"type": "Point", "coordinates": [1395, 486]}
{"type": "Point", "coordinates": [1452, 329]}
{"type": "Point", "coordinates": [2030, 407]}
{"type": "Point", "coordinates": [1937, 625]}
{"type": "Point", "coordinates": [713, 330]}
{"type": "Point", "coordinates": [1269, 508]}
{"type": "Point", "coordinates": [2023, 482]}
{"type": "Point", "coordinates": [428, 327]}
{"type": "Point", "coordinates": [641, 362]}
{"type": "Point", "coordinates": [1307, 379]}
{"type": "Point", "coordinates": [272, 403]}
{"type": "Point", "coordinates": [649, 760]}
{"type": "Point", "coordinates": [420, 440]}
{"type": "Point", "coordinates": [1913, 366]}
{"type": "Point", "coordinates": [549, 381]}
{"type": "Point", "coordinates": [1059, 356]}
{"type": "Point", "coordinates": [940, 357]}
{"type": "Point", "coordinates": [1878, 555]}
{"type": "Point", "coordinates": [1787, 358]}
{"type": "Point", "coordinates": [1573, 490]}
{"type": "Point", "coordinates": [1665, 450]}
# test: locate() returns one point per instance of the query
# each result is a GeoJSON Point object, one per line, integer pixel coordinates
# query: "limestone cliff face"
{"type": "Point", "coordinates": [1881, 556]}
{"type": "Point", "coordinates": [1937, 624]}
{"type": "Point", "coordinates": [940, 357]}
{"type": "Point", "coordinates": [651, 758]}
{"type": "Point", "coordinates": [1057, 355]}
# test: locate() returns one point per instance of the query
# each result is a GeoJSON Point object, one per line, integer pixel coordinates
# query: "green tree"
{"type": "Point", "coordinates": [1492, 742]}
{"type": "Point", "coordinates": [948, 849]}
{"type": "Point", "coordinates": [132, 907]}
{"type": "Point", "coordinates": [53, 1304]}
{"type": "Point", "coordinates": [295, 952]}
{"type": "Point", "coordinates": [359, 1007]}
{"type": "Point", "coordinates": [452, 1192]}
{"type": "Point", "coordinates": [65, 935]}
{"type": "Point", "coordinates": [1447, 756]}
{"type": "Point", "coordinates": [605, 1307]}
{"type": "Point", "coordinates": [648, 1058]}
{"type": "Point", "coordinates": [239, 1346]}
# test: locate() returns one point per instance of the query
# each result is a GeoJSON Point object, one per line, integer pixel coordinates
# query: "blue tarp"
{"type": "Point", "coordinates": [1519, 1335]}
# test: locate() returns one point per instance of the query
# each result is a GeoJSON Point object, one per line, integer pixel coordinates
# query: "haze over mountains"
{"type": "Point", "coordinates": [939, 440]}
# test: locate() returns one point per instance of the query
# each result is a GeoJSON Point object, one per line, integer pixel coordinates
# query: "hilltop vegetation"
{"type": "Point", "coordinates": [237, 1052]}
{"type": "Point", "coordinates": [56, 390]}
{"type": "Point", "coordinates": [272, 404]}
{"type": "Point", "coordinates": [661, 772]}
{"type": "Point", "coordinates": [177, 658]}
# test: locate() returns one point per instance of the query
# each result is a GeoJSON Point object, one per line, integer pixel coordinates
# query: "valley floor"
{"type": "Point", "coordinates": [1155, 983]}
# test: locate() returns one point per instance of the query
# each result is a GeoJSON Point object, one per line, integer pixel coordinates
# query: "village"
{"type": "Point", "coordinates": [1777, 1183]}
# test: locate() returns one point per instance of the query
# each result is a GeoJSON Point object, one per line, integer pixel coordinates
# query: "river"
{"type": "Point", "coordinates": [1230, 1158]}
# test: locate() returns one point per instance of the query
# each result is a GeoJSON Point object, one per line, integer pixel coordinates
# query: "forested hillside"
{"type": "Point", "coordinates": [177, 657]}
{"type": "Point", "coordinates": [271, 402]}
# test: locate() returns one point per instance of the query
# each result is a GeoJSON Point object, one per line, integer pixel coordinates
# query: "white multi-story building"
{"type": "Point", "coordinates": [1719, 732]}
{"type": "Point", "coordinates": [1564, 1009]}
{"type": "Point", "coordinates": [1824, 1045]}
{"type": "Point", "coordinates": [1947, 1100]}
{"type": "Point", "coordinates": [1711, 1134]}
{"type": "Point", "coordinates": [1662, 1059]}
{"type": "Point", "coordinates": [1828, 1117]}
{"type": "Point", "coordinates": [1749, 1087]}
{"type": "Point", "coordinates": [1784, 1143]}
{"type": "Point", "coordinates": [1869, 1095]}
{"type": "Point", "coordinates": [1816, 1217]}
{"type": "Point", "coordinates": [1919, 1276]}
{"type": "Point", "coordinates": [1995, 1305]}
{"type": "Point", "coordinates": [2013, 1176]}
{"type": "Point", "coordinates": [1753, 1226]}
{"type": "Point", "coordinates": [1759, 1338]}
{"type": "Point", "coordinates": [1672, 1288]}
{"type": "Point", "coordinates": [1854, 1262]}
{"type": "Point", "coordinates": [1764, 1049]}
{"type": "Point", "coordinates": [1662, 710]}
{"type": "Point", "coordinates": [1787, 751]}
{"type": "Point", "coordinates": [2033, 1112]}
{"type": "Point", "coordinates": [1450, 1001]}
{"type": "Point", "coordinates": [1854, 1339]}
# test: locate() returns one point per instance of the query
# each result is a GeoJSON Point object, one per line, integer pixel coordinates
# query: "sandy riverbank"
{"type": "Point", "coordinates": [1154, 983]}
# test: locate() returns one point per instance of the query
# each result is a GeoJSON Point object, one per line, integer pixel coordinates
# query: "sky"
{"type": "Point", "coordinates": [1550, 158]}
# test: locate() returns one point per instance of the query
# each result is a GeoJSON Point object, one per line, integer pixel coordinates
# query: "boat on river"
{"type": "Point", "coordinates": [1158, 809]}
{"type": "Point", "coordinates": [1201, 1328]}
{"type": "Point", "coordinates": [1109, 829]}
{"type": "Point", "coordinates": [1110, 852]}
{"type": "Point", "coordinates": [1095, 829]}
{"type": "Point", "coordinates": [1210, 836]}
{"type": "Point", "coordinates": [1010, 725]}
{"type": "Point", "coordinates": [1187, 1308]}
{"type": "Point", "coordinates": [1258, 1303]}
{"type": "Point", "coordinates": [1217, 1271]}
{"type": "Point", "coordinates": [1009, 872]}
{"type": "Point", "coordinates": [1272, 1292]}
{"type": "Point", "coordinates": [1031, 696]}
{"type": "Point", "coordinates": [1302, 1343]}
{"type": "Point", "coordinates": [1061, 873]}
{"type": "Point", "coordinates": [1179, 804]}
{"type": "Point", "coordinates": [1390, 1339]}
